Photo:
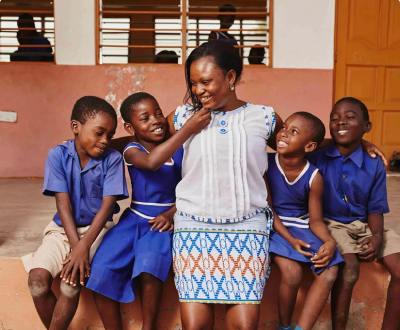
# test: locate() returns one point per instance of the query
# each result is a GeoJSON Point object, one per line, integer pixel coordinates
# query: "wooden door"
{"type": "Point", "coordinates": [368, 64]}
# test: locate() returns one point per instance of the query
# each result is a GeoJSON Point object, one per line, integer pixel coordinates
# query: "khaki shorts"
{"type": "Point", "coordinates": [349, 235]}
{"type": "Point", "coordinates": [55, 248]}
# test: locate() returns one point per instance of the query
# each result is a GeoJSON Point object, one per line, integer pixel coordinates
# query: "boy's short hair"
{"type": "Point", "coordinates": [317, 126]}
{"type": "Point", "coordinates": [127, 107]}
{"type": "Point", "coordinates": [357, 102]}
{"type": "Point", "coordinates": [89, 106]}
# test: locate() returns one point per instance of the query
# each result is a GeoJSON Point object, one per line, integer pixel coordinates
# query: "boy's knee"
{"type": "Point", "coordinates": [70, 291]}
{"type": "Point", "coordinates": [351, 273]}
{"type": "Point", "coordinates": [39, 282]}
{"type": "Point", "coordinates": [331, 275]}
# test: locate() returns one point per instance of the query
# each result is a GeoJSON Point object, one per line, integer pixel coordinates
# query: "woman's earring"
{"type": "Point", "coordinates": [232, 87]}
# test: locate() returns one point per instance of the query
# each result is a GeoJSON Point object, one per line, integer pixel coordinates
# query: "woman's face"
{"type": "Point", "coordinates": [210, 84]}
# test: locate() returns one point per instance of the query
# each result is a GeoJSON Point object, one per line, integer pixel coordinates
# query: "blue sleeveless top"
{"type": "Point", "coordinates": [290, 199]}
{"type": "Point", "coordinates": [153, 192]}
{"type": "Point", "coordinates": [222, 36]}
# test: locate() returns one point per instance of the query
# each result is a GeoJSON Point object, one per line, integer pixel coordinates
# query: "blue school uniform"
{"type": "Point", "coordinates": [130, 248]}
{"type": "Point", "coordinates": [102, 176]}
{"type": "Point", "coordinates": [290, 202]}
{"type": "Point", "coordinates": [354, 186]}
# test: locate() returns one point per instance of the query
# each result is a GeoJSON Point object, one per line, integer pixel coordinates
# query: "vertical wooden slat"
{"type": "Point", "coordinates": [271, 31]}
{"type": "Point", "coordinates": [184, 7]}
{"type": "Point", "coordinates": [97, 30]}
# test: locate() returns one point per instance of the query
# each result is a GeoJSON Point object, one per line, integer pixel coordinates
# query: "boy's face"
{"type": "Point", "coordinates": [95, 135]}
{"type": "Point", "coordinates": [295, 136]}
{"type": "Point", "coordinates": [148, 121]}
{"type": "Point", "coordinates": [347, 124]}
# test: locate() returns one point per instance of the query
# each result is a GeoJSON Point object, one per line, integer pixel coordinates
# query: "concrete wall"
{"type": "Point", "coordinates": [43, 97]}
{"type": "Point", "coordinates": [304, 34]}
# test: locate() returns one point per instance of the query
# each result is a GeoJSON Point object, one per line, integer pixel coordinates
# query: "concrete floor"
{"type": "Point", "coordinates": [25, 212]}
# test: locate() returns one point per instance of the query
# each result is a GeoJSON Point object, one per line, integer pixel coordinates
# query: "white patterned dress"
{"type": "Point", "coordinates": [222, 224]}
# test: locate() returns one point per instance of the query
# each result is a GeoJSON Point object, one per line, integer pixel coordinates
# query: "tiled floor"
{"type": "Point", "coordinates": [25, 212]}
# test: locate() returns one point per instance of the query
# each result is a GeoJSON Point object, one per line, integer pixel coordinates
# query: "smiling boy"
{"type": "Point", "coordinates": [354, 201]}
{"type": "Point", "coordinates": [86, 178]}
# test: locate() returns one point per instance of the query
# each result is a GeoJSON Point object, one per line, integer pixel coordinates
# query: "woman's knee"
{"type": "Point", "coordinates": [39, 282]}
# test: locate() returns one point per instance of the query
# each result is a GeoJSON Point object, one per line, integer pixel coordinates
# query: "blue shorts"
{"type": "Point", "coordinates": [279, 246]}
{"type": "Point", "coordinates": [128, 249]}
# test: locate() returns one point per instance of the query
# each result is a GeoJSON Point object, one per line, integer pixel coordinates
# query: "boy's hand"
{"type": "Point", "coordinates": [298, 244]}
{"type": "Point", "coordinates": [373, 151]}
{"type": "Point", "coordinates": [77, 261]}
{"type": "Point", "coordinates": [199, 121]}
{"type": "Point", "coordinates": [163, 222]}
{"type": "Point", "coordinates": [371, 253]}
{"type": "Point", "coordinates": [324, 255]}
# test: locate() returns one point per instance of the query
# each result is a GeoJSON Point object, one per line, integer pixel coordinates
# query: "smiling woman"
{"type": "Point", "coordinates": [223, 220]}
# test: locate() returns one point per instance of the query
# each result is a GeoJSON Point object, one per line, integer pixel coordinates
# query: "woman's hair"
{"type": "Point", "coordinates": [223, 54]}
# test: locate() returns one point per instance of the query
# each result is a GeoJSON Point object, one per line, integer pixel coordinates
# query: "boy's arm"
{"type": "Point", "coordinates": [280, 228]}
{"type": "Point", "coordinates": [159, 155]}
{"type": "Point", "coordinates": [64, 209]}
{"type": "Point", "coordinates": [377, 206]}
{"type": "Point", "coordinates": [78, 259]}
{"type": "Point", "coordinates": [317, 226]}
{"type": "Point", "coordinates": [114, 188]}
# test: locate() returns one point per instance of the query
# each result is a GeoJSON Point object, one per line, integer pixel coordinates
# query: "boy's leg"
{"type": "Point", "coordinates": [66, 306]}
{"type": "Point", "coordinates": [317, 297]}
{"type": "Point", "coordinates": [391, 320]}
{"type": "Point", "coordinates": [109, 311]}
{"type": "Point", "coordinates": [39, 282]}
{"type": "Point", "coordinates": [343, 289]}
{"type": "Point", "coordinates": [151, 289]}
{"type": "Point", "coordinates": [291, 276]}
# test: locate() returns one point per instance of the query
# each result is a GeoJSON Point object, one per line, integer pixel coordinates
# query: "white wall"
{"type": "Point", "coordinates": [303, 34]}
{"type": "Point", "coordinates": [75, 31]}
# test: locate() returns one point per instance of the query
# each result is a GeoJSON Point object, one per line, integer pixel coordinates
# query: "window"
{"type": "Point", "coordinates": [167, 33]}
{"type": "Point", "coordinates": [26, 31]}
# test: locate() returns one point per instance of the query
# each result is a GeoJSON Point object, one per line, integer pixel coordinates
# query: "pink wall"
{"type": "Point", "coordinates": [43, 96]}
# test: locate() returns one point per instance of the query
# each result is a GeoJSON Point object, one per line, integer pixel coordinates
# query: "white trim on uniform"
{"type": "Point", "coordinates": [283, 173]}
{"type": "Point", "coordinates": [313, 176]}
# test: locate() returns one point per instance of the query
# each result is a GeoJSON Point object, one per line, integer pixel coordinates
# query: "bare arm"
{"type": "Point", "coordinates": [159, 155]}
{"type": "Point", "coordinates": [78, 259]}
{"type": "Point", "coordinates": [327, 250]}
{"type": "Point", "coordinates": [278, 126]}
{"type": "Point", "coordinates": [64, 209]}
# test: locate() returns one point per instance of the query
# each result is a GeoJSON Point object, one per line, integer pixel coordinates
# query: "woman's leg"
{"type": "Point", "coordinates": [197, 316]}
{"type": "Point", "coordinates": [151, 289]}
{"type": "Point", "coordinates": [291, 276]}
{"type": "Point", "coordinates": [242, 317]}
{"type": "Point", "coordinates": [109, 311]}
{"type": "Point", "coordinates": [317, 297]}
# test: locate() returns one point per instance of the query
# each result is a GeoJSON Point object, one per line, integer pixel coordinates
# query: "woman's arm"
{"type": "Point", "coordinates": [278, 126]}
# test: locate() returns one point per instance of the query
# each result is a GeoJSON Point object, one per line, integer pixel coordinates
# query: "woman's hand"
{"type": "Point", "coordinates": [373, 151]}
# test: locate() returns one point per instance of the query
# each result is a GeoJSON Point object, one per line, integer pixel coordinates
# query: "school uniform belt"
{"type": "Point", "coordinates": [300, 222]}
{"type": "Point", "coordinates": [136, 206]}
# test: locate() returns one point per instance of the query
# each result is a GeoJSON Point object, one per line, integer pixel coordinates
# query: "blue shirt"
{"type": "Point", "coordinates": [354, 186]}
{"type": "Point", "coordinates": [102, 176]}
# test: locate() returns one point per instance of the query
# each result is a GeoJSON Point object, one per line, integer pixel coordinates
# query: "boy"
{"type": "Point", "coordinates": [354, 202]}
{"type": "Point", "coordinates": [87, 179]}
